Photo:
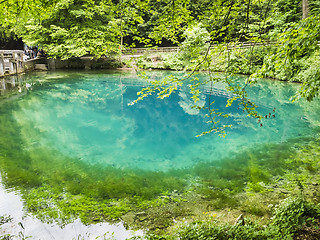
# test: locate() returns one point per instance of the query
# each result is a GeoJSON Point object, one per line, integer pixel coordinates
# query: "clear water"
{"type": "Point", "coordinates": [86, 116]}
{"type": "Point", "coordinates": [76, 131]}
{"type": "Point", "coordinates": [11, 205]}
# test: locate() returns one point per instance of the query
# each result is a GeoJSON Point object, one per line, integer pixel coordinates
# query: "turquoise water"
{"type": "Point", "coordinates": [86, 116]}
{"type": "Point", "coordinates": [72, 146]}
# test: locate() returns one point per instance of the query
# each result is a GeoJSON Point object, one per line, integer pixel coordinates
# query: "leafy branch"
{"type": "Point", "coordinates": [165, 87]}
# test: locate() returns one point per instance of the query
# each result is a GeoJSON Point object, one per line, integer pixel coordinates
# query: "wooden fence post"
{"type": "Point", "coordinates": [1, 65]}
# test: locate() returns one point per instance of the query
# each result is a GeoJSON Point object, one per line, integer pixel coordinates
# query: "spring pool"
{"type": "Point", "coordinates": [86, 116]}
{"type": "Point", "coordinates": [75, 132]}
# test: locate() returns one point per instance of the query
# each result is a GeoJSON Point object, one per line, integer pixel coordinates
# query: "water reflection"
{"type": "Point", "coordinates": [13, 87]}
{"type": "Point", "coordinates": [9, 84]}
{"type": "Point", "coordinates": [32, 228]}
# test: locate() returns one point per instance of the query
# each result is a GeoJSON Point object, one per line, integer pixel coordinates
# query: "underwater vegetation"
{"type": "Point", "coordinates": [60, 188]}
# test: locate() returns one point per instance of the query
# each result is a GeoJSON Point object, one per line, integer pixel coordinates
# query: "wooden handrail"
{"type": "Point", "coordinates": [138, 51]}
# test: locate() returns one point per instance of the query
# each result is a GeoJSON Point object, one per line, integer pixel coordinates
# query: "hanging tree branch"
{"type": "Point", "coordinates": [165, 87]}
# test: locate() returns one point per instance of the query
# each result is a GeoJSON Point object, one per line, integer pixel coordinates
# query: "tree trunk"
{"type": "Point", "coordinates": [305, 9]}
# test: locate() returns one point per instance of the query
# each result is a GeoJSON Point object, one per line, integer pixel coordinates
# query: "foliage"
{"type": "Point", "coordinates": [6, 35]}
{"type": "Point", "coordinates": [296, 46]}
{"type": "Point", "coordinates": [245, 60]}
{"type": "Point", "coordinates": [170, 22]}
{"type": "Point", "coordinates": [309, 75]}
{"type": "Point", "coordinates": [295, 213]}
{"type": "Point", "coordinates": [202, 230]}
{"type": "Point", "coordinates": [5, 219]}
{"type": "Point", "coordinates": [288, 219]}
{"type": "Point", "coordinates": [74, 29]}
{"type": "Point", "coordinates": [285, 13]}
{"type": "Point", "coordinates": [195, 44]}
{"type": "Point", "coordinates": [173, 62]}
{"type": "Point", "coordinates": [15, 11]}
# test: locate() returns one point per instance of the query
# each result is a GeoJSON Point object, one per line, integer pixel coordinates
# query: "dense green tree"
{"type": "Point", "coordinates": [76, 28]}
{"type": "Point", "coordinates": [196, 42]}
{"type": "Point", "coordinates": [297, 57]}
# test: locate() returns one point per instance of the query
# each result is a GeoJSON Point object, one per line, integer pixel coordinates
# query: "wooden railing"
{"type": "Point", "coordinates": [141, 51]}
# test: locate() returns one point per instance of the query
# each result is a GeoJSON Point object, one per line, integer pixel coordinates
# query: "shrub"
{"type": "Point", "coordinates": [290, 217]}
{"type": "Point", "coordinates": [293, 214]}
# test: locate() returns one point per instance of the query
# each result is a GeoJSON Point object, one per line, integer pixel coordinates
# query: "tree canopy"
{"type": "Point", "coordinates": [71, 28]}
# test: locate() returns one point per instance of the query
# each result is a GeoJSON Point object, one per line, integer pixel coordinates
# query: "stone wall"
{"type": "Point", "coordinates": [83, 63]}
{"type": "Point", "coordinates": [87, 63]}
{"type": "Point", "coordinates": [36, 64]}
{"type": "Point", "coordinates": [11, 62]}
